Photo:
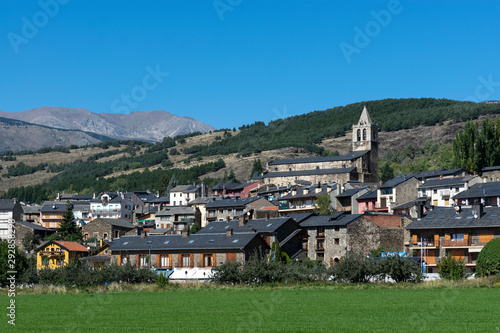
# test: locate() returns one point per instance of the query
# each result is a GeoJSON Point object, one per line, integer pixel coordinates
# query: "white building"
{"type": "Point", "coordinates": [10, 209]}
{"type": "Point", "coordinates": [441, 190]}
{"type": "Point", "coordinates": [111, 206]}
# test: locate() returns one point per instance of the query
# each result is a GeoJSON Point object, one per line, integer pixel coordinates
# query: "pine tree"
{"type": "Point", "coordinates": [68, 230]}
{"type": "Point", "coordinates": [256, 167]}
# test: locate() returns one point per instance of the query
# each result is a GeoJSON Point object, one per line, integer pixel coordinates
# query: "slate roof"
{"type": "Point", "coordinates": [161, 199]}
{"type": "Point", "coordinates": [447, 218]}
{"type": "Point", "coordinates": [7, 204]}
{"type": "Point", "coordinates": [300, 193]}
{"type": "Point", "coordinates": [231, 186]}
{"type": "Point", "coordinates": [145, 196]}
{"type": "Point", "coordinates": [299, 217]}
{"type": "Point", "coordinates": [480, 190]}
{"type": "Point", "coordinates": [491, 168]}
{"type": "Point", "coordinates": [252, 226]}
{"type": "Point", "coordinates": [396, 181]}
{"type": "Point", "coordinates": [53, 207]}
{"type": "Point", "coordinates": [349, 193]}
{"type": "Point", "coordinates": [435, 173]}
{"type": "Point", "coordinates": [369, 195]}
{"type": "Point", "coordinates": [170, 211]}
{"type": "Point", "coordinates": [452, 181]}
{"type": "Point", "coordinates": [351, 156]}
{"type": "Point", "coordinates": [178, 243]}
{"type": "Point", "coordinates": [308, 172]}
{"type": "Point", "coordinates": [412, 203]}
{"type": "Point", "coordinates": [31, 209]}
{"type": "Point", "coordinates": [122, 223]}
{"type": "Point", "coordinates": [338, 219]}
{"type": "Point", "coordinates": [185, 188]}
{"type": "Point", "coordinates": [199, 201]}
{"type": "Point", "coordinates": [226, 203]}
{"type": "Point", "coordinates": [82, 197]}
{"type": "Point", "coordinates": [33, 226]}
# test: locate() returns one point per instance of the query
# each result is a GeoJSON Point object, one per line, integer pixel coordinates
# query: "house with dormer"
{"type": "Point", "coordinates": [111, 205]}
{"type": "Point", "coordinates": [441, 190]}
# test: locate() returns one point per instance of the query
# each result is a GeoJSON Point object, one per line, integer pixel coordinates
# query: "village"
{"type": "Point", "coordinates": [185, 234]}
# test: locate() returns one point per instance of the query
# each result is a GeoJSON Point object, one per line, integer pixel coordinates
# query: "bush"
{"type": "Point", "coordinates": [355, 270]}
{"type": "Point", "coordinates": [450, 268]}
{"type": "Point", "coordinates": [401, 269]}
{"type": "Point", "coordinates": [162, 280]}
{"type": "Point", "coordinates": [488, 260]}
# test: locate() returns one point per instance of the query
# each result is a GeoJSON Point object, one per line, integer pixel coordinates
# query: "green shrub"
{"type": "Point", "coordinates": [355, 270]}
{"type": "Point", "coordinates": [488, 260]}
{"type": "Point", "coordinates": [401, 269]}
{"type": "Point", "coordinates": [450, 268]}
{"type": "Point", "coordinates": [162, 280]}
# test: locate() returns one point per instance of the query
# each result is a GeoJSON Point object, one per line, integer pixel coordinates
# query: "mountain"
{"type": "Point", "coordinates": [139, 125]}
{"type": "Point", "coordinates": [19, 135]}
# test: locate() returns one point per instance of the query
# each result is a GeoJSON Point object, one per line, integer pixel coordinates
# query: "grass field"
{"type": "Point", "coordinates": [298, 309]}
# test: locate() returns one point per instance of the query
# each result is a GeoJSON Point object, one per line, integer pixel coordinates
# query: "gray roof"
{"type": "Point", "coordinates": [254, 225]}
{"type": "Point", "coordinates": [411, 203]}
{"type": "Point", "coordinates": [161, 199]}
{"type": "Point", "coordinates": [117, 222]}
{"type": "Point", "coordinates": [82, 197]}
{"type": "Point", "coordinates": [349, 193]}
{"type": "Point", "coordinates": [231, 186]}
{"type": "Point", "coordinates": [491, 168]}
{"type": "Point", "coordinates": [7, 204]}
{"type": "Point", "coordinates": [369, 195]}
{"type": "Point", "coordinates": [178, 243]}
{"type": "Point", "coordinates": [33, 226]}
{"type": "Point", "coordinates": [31, 209]}
{"type": "Point", "coordinates": [145, 196]}
{"type": "Point", "coordinates": [452, 181]}
{"type": "Point", "coordinates": [199, 201]}
{"type": "Point", "coordinates": [53, 207]}
{"type": "Point", "coordinates": [185, 188]}
{"type": "Point", "coordinates": [436, 173]}
{"type": "Point", "coordinates": [170, 211]}
{"type": "Point", "coordinates": [223, 203]}
{"type": "Point", "coordinates": [299, 217]}
{"type": "Point", "coordinates": [308, 172]}
{"type": "Point", "coordinates": [396, 181]}
{"type": "Point", "coordinates": [348, 157]}
{"type": "Point", "coordinates": [336, 220]}
{"type": "Point", "coordinates": [446, 218]}
{"type": "Point", "coordinates": [480, 190]}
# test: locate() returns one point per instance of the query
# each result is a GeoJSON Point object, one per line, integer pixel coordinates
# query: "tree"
{"type": "Point", "coordinates": [450, 268]}
{"type": "Point", "coordinates": [323, 202]}
{"type": "Point", "coordinates": [30, 241]}
{"type": "Point", "coordinates": [68, 230]}
{"type": "Point", "coordinates": [401, 269]}
{"type": "Point", "coordinates": [488, 260]}
{"type": "Point", "coordinates": [256, 167]}
{"type": "Point", "coordinates": [194, 228]}
{"type": "Point", "coordinates": [386, 172]}
{"type": "Point", "coordinates": [20, 261]}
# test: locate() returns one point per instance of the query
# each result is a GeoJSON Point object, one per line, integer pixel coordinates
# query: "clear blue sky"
{"type": "Point", "coordinates": [233, 62]}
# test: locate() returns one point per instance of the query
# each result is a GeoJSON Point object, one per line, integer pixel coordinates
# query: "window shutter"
{"type": "Point", "coordinates": [191, 257]}
{"type": "Point", "coordinates": [436, 240]}
{"type": "Point", "coordinates": [414, 239]}
{"type": "Point", "coordinates": [158, 260]}
{"type": "Point", "coordinates": [202, 263]}
{"type": "Point", "coordinates": [179, 262]}
{"type": "Point", "coordinates": [137, 260]}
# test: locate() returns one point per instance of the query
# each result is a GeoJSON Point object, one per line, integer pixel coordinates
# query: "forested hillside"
{"type": "Point", "coordinates": [137, 165]}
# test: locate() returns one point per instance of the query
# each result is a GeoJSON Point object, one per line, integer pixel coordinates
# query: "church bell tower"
{"type": "Point", "coordinates": [365, 137]}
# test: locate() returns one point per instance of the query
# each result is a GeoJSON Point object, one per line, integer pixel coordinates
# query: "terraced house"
{"type": "Point", "coordinates": [463, 232]}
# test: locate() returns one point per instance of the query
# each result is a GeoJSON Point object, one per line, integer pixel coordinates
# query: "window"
{"type": "Point", "coordinates": [336, 241]}
{"type": "Point", "coordinates": [364, 134]}
{"type": "Point", "coordinates": [337, 228]}
{"type": "Point", "coordinates": [143, 260]}
{"type": "Point", "coordinates": [208, 260]}
{"type": "Point", "coordinates": [358, 135]}
{"type": "Point", "coordinates": [165, 260]}
{"type": "Point", "coordinates": [185, 260]}
{"type": "Point", "coordinates": [321, 245]}
{"type": "Point", "coordinates": [321, 231]}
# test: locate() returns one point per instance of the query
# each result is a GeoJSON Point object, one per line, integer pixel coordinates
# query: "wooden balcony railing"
{"type": "Point", "coordinates": [455, 242]}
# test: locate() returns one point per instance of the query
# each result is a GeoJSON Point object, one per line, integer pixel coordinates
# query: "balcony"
{"type": "Point", "coordinates": [456, 243]}
{"type": "Point", "coordinates": [345, 209]}
{"type": "Point", "coordinates": [52, 253]}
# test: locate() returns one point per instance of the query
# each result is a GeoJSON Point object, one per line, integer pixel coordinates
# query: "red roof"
{"type": "Point", "coordinates": [72, 246]}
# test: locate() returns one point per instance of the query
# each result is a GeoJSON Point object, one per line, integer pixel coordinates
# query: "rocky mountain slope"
{"type": "Point", "coordinates": [140, 125]}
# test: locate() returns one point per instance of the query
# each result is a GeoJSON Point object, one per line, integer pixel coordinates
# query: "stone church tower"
{"type": "Point", "coordinates": [365, 137]}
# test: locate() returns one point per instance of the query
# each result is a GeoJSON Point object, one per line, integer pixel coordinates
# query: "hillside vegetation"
{"type": "Point", "coordinates": [408, 142]}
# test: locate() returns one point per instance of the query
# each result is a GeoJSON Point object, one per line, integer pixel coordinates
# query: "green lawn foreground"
{"type": "Point", "coordinates": [260, 310]}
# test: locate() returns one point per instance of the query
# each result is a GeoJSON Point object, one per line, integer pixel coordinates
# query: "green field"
{"type": "Point", "coordinates": [260, 310]}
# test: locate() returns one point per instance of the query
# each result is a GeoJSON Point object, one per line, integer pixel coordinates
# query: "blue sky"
{"type": "Point", "coordinates": [234, 62]}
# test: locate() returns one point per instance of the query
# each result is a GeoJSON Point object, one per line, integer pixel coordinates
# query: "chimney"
{"type": "Point", "coordinates": [229, 232]}
{"type": "Point", "coordinates": [241, 220]}
{"type": "Point", "coordinates": [185, 233]}
{"type": "Point", "coordinates": [420, 210]}
{"type": "Point", "coordinates": [441, 177]}
{"type": "Point", "coordinates": [477, 209]}
{"type": "Point", "coordinates": [380, 184]}
{"type": "Point", "coordinates": [228, 218]}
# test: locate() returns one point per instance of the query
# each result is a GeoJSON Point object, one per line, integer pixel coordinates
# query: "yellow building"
{"type": "Point", "coordinates": [56, 254]}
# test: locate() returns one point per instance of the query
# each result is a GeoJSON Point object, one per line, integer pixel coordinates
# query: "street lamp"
{"type": "Point", "coordinates": [148, 243]}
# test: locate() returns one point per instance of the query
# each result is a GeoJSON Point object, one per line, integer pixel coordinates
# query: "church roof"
{"type": "Point", "coordinates": [365, 118]}
{"type": "Point", "coordinates": [351, 156]}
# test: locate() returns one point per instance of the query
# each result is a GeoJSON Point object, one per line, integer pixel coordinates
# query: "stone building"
{"type": "Point", "coordinates": [360, 164]}
{"type": "Point", "coordinates": [332, 237]}
{"type": "Point", "coordinates": [106, 228]}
